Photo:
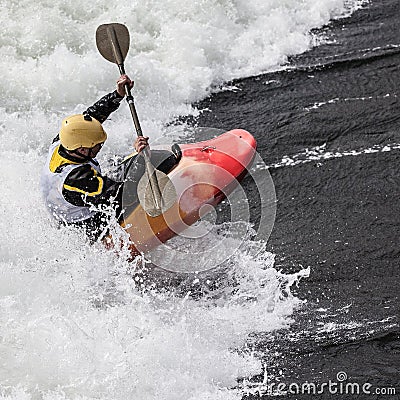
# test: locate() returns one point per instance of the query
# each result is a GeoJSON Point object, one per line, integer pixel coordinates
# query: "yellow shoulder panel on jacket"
{"type": "Point", "coordinates": [57, 160]}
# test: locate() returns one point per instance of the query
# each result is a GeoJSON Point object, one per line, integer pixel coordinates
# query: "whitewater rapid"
{"type": "Point", "coordinates": [73, 322]}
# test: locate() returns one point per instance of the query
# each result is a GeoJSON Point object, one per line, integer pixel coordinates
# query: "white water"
{"type": "Point", "coordinates": [73, 325]}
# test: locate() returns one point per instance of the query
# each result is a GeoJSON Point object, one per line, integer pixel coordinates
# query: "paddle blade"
{"type": "Point", "coordinates": [153, 203]}
{"type": "Point", "coordinates": [112, 41]}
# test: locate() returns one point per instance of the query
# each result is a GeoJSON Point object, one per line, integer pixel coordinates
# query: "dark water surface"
{"type": "Point", "coordinates": [339, 216]}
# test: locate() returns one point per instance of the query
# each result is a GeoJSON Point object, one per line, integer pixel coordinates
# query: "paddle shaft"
{"type": "Point", "coordinates": [120, 62]}
{"type": "Point", "coordinates": [129, 98]}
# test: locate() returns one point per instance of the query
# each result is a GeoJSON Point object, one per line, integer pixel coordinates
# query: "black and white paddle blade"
{"type": "Point", "coordinates": [156, 202]}
{"type": "Point", "coordinates": [110, 36]}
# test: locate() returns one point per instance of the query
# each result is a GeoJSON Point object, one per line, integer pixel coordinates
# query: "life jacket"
{"type": "Point", "coordinates": [54, 173]}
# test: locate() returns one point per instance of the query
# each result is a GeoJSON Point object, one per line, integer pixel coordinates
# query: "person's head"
{"type": "Point", "coordinates": [82, 135]}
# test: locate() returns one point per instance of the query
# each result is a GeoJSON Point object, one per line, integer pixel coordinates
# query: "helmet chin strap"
{"type": "Point", "coordinates": [80, 155]}
{"type": "Point", "coordinates": [91, 154]}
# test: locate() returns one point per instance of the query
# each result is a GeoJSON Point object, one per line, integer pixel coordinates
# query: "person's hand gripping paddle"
{"type": "Point", "coordinates": [155, 190]}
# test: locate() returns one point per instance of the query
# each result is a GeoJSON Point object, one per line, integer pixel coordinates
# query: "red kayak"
{"type": "Point", "coordinates": [207, 172]}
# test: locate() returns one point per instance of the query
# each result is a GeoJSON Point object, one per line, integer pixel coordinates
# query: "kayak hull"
{"type": "Point", "coordinates": [206, 174]}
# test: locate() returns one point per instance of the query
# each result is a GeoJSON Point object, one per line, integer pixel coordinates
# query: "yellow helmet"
{"type": "Point", "coordinates": [81, 131]}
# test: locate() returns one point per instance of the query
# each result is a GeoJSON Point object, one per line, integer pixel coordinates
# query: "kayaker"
{"type": "Point", "coordinates": [73, 187]}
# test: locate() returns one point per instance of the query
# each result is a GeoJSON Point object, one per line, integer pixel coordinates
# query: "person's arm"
{"type": "Point", "coordinates": [109, 103]}
{"type": "Point", "coordinates": [102, 109]}
{"type": "Point", "coordinates": [84, 187]}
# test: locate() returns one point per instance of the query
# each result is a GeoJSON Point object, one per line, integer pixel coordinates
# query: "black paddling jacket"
{"type": "Point", "coordinates": [73, 190]}
{"type": "Point", "coordinates": [81, 183]}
